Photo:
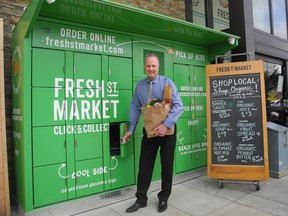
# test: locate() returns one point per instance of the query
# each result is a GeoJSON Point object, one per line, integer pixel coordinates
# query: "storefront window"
{"type": "Point", "coordinates": [198, 12]}
{"type": "Point", "coordinates": [274, 81]}
{"type": "Point", "coordinates": [261, 15]}
{"type": "Point", "coordinates": [279, 18]}
{"type": "Point", "coordinates": [221, 14]}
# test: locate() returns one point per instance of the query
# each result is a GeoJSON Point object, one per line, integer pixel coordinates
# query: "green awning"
{"type": "Point", "coordinates": [107, 14]}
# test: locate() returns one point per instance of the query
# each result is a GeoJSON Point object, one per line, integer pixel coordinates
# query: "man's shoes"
{"type": "Point", "coordinates": [162, 206]}
{"type": "Point", "coordinates": [135, 207]}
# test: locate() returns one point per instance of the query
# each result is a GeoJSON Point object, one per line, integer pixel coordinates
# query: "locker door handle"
{"type": "Point", "coordinates": [122, 140]}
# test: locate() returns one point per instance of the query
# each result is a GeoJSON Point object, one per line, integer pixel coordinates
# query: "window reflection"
{"type": "Point", "coordinates": [279, 18]}
{"type": "Point", "coordinates": [274, 81]}
{"type": "Point", "coordinates": [261, 15]}
{"type": "Point", "coordinates": [198, 12]}
{"type": "Point", "coordinates": [221, 14]}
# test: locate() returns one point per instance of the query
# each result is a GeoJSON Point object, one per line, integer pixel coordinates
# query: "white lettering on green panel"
{"type": "Point", "coordinates": [65, 37]}
{"type": "Point", "coordinates": [90, 105]}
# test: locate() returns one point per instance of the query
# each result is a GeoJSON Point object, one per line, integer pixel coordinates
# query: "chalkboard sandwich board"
{"type": "Point", "coordinates": [236, 121]}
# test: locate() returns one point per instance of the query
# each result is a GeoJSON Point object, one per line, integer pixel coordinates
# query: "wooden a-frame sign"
{"type": "Point", "coordinates": [236, 121]}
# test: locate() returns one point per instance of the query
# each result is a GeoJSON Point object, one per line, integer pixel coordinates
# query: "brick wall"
{"type": "Point", "coordinates": [11, 11]}
{"type": "Point", "coordinates": [173, 8]}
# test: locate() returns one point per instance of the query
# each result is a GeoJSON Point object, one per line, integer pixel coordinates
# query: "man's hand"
{"type": "Point", "coordinates": [126, 136]}
{"type": "Point", "coordinates": [160, 130]}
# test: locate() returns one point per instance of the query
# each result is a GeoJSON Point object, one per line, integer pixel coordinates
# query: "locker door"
{"type": "Point", "coordinates": [125, 148]}
{"type": "Point", "coordinates": [48, 109]}
{"type": "Point", "coordinates": [183, 152]}
{"type": "Point", "coordinates": [184, 158]}
{"type": "Point", "coordinates": [50, 186]}
{"type": "Point", "coordinates": [87, 67]}
{"type": "Point", "coordinates": [184, 135]}
{"type": "Point", "coordinates": [122, 171]}
{"type": "Point", "coordinates": [44, 71]}
{"type": "Point", "coordinates": [89, 177]}
{"type": "Point", "coordinates": [182, 77]}
{"type": "Point", "coordinates": [120, 106]}
{"type": "Point", "coordinates": [200, 105]}
{"type": "Point", "coordinates": [88, 143]}
{"type": "Point", "coordinates": [49, 145]}
{"type": "Point", "coordinates": [120, 88]}
{"type": "Point", "coordinates": [120, 71]}
{"type": "Point", "coordinates": [199, 78]}
{"type": "Point", "coordinates": [88, 88]}
{"type": "Point", "coordinates": [182, 80]}
{"type": "Point", "coordinates": [201, 140]}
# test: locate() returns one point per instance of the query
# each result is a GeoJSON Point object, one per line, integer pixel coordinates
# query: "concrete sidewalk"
{"type": "Point", "coordinates": [202, 196]}
{"type": "Point", "coordinates": [198, 196]}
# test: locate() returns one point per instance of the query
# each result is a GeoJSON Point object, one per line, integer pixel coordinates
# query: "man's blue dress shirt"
{"type": "Point", "coordinates": [140, 99]}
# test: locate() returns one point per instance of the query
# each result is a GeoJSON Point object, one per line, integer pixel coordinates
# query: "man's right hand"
{"type": "Point", "coordinates": [126, 136]}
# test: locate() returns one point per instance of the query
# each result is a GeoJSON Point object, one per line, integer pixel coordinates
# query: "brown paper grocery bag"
{"type": "Point", "coordinates": [154, 116]}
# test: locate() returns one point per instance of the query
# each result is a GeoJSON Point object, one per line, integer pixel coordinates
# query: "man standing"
{"type": "Point", "coordinates": [154, 84]}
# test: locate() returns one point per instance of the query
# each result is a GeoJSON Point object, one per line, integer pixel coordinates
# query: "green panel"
{"type": "Point", "coordinates": [184, 157]}
{"type": "Point", "coordinates": [119, 106]}
{"type": "Point", "coordinates": [122, 171]}
{"type": "Point", "coordinates": [87, 110]}
{"type": "Point", "coordinates": [182, 77]}
{"type": "Point", "coordinates": [43, 72]}
{"type": "Point", "coordinates": [46, 110]}
{"type": "Point", "coordinates": [120, 71]}
{"type": "Point", "coordinates": [184, 80]}
{"type": "Point", "coordinates": [86, 67]}
{"type": "Point", "coordinates": [201, 131]}
{"type": "Point", "coordinates": [200, 106]}
{"type": "Point", "coordinates": [183, 131]}
{"type": "Point", "coordinates": [201, 142]}
{"type": "Point", "coordinates": [88, 88]}
{"type": "Point", "coordinates": [89, 176]}
{"type": "Point", "coordinates": [125, 148]}
{"type": "Point", "coordinates": [88, 141]}
{"type": "Point", "coordinates": [200, 79]}
{"type": "Point", "coordinates": [49, 145]}
{"type": "Point", "coordinates": [53, 191]}
{"type": "Point", "coordinates": [186, 100]}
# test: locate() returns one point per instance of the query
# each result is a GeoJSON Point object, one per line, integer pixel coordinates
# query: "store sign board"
{"type": "Point", "coordinates": [237, 132]}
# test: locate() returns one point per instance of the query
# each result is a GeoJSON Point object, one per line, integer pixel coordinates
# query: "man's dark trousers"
{"type": "Point", "coordinates": [149, 149]}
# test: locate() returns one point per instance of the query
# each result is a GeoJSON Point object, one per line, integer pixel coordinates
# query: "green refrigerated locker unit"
{"type": "Point", "coordinates": [75, 67]}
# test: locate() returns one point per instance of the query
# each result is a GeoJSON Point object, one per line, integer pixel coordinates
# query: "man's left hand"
{"type": "Point", "coordinates": [160, 130]}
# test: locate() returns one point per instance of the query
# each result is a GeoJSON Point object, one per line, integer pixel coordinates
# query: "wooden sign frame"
{"type": "Point", "coordinates": [4, 185]}
{"type": "Point", "coordinates": [238, 171]}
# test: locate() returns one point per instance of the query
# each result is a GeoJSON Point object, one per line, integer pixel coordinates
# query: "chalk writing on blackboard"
{"type": "Point", "coordinates": [236, 126]}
